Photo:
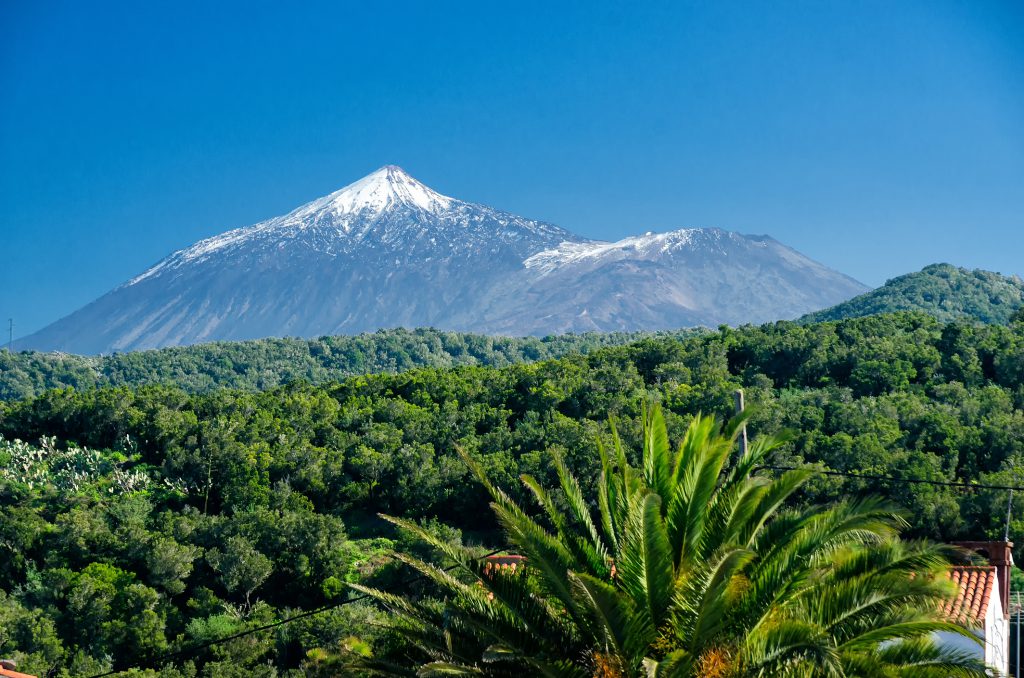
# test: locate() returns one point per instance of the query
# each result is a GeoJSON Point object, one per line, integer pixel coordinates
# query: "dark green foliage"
{"type": "Point", "coordinates": [265, 363]}
{"type": "Point", "coordinates": [941, 290]}
{"type": "Point", "coordinates": [693, 565]}
{"type": "Point", "coordinates": [297, 473]}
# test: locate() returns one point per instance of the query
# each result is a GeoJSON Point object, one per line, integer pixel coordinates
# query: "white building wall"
{"type": "Point", "coordinates": [997, 635]}
{"type": "Point", "coordinates": [995, 638]}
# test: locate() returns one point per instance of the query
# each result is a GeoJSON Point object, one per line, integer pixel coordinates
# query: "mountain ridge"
{"type": "Point", "coordinates": [388, 251]}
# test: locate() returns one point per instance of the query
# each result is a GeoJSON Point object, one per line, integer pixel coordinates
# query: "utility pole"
{"type": "Point", "coordinates": [10, 335]}
{"type": "Point", "coordinates": [1009, 515]}
{"type": "Point", "coordinates": [1006, 538]}
{"type": "Point", "coordinates": [738, 399]}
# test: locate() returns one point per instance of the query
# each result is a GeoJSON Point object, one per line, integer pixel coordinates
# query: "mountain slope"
{"type": "Point", "coordinates": [388, 251]}
{"type": "Point", "coordinates": [688, 277]}
{"type": "Point", "coordinates": [942, 290]}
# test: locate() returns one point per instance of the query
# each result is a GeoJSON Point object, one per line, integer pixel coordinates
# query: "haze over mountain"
{"type": "Point", "coordinates": [942, 290]}
{"type": "Point", "coordinates": [388, 251]}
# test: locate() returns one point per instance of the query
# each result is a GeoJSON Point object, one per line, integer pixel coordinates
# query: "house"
{"type": "Point", "coordinates": [983, 602]}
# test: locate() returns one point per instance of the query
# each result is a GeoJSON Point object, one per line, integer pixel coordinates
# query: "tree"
{"type": "Point", "coordinates": [692, 566]}
{"type": "Point", "coordinates": [170, 563]}
{"type": "Point", "coordinates": [242, 568]}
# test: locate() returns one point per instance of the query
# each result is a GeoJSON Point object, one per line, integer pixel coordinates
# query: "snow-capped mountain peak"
{"type": "Point", "coordinates": [386, 213]}
{"type": "Point", "coordinates": [387, 251]}
{"type": "Point", "coordinates": [388, 187]}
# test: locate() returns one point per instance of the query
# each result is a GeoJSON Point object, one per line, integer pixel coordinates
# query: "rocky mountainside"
{"type": "Point", "coordinates": [387, 251]}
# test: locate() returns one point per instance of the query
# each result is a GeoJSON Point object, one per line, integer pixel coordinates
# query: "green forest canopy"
{"type": "Point", "coordinates": [265, 363]}
{"type": "Point", "coordinates": [941, 290]}
{"type": "Point", "coordinates": [193, 515]}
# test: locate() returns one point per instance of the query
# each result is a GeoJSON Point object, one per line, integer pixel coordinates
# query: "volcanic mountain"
{"type": "Point", "coordinates": [388, 251]}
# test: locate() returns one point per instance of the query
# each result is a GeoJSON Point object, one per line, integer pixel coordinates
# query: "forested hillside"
{"type": "Point", "coordinates": [265, 363]}
{"type": "Point", "coordinates": [941, 290]}
{"type": "Point", "coordinates": [195, 515]}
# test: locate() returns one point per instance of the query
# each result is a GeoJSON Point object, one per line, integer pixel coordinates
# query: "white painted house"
{"type": "Point", "coordinates": [983, 604]}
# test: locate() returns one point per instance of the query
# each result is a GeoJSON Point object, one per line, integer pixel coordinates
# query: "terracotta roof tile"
{"type": "Point", "coordinates": [8, 673]}
{"type": "Point", "coordinates": [976, 585]}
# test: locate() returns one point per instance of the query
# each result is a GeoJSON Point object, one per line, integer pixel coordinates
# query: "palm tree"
{"type": "Point", "coordinates": [690, 566]}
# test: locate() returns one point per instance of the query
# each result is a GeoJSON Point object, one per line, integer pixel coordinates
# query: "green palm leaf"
{"type": "Point", "coordinates": [646, 560]}
{"type": "Point", "coordinates": [695, 566]}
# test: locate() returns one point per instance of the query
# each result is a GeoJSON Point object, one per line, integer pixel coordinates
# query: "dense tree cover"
{"type": "Point", "coordinates": [692, 566]}
{"type": "Point", "coordinates": [941, 290]}
{"type": "Point", "coordinates": [265, 363]}
{"type": "Point", "coordinates": [106, 563]}
{"type": "Point", "coordinates": [258, 504]}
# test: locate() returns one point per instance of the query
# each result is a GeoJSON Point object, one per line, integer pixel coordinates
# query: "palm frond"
{"type": "Point", "coordinates": [441, 669]}
{"type": "Point", "coordinates": [613, 618]}
{"type": "Point", "coordinates": [645, 562]}
{"type": "Point", "coordinates": [578, 506]}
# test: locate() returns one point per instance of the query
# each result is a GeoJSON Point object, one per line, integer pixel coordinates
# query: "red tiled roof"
{"type": "Point", "coordinates": [976, 585]}
{"type": "Point", "coordinates": [13, 674]}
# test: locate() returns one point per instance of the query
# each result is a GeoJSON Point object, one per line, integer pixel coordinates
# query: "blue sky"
{"type": "Point", "coordinates": [876, 137]}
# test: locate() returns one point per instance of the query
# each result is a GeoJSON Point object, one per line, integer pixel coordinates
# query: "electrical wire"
{"type": "Point", "coordinates": [164, 658]}
{"type": "Point", "coordinates": [894, 479]}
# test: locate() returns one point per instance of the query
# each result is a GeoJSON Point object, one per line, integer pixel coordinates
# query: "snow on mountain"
{"type": "Point", "coordinates": [387, 251]}
{"type": "Point", "coordinates": [387, 206]}
{"type": "Point", "coordinates": [641, 246]}
{"type": "Point", "coordinates": [388, 186]}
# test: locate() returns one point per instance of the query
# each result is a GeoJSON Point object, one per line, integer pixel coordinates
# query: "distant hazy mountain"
{"type": "Point", "coordinates": [942, 290]}
{"type": "Point", "coordinates": [388, 251]}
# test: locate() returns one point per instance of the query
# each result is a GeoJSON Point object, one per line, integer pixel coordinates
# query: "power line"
{"type": "Point", "coordinates": [738, 397]}
{"type": "Point", "coordinates": [164, 658]}
{"type": "Point", "coordinates": [894, 479]}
